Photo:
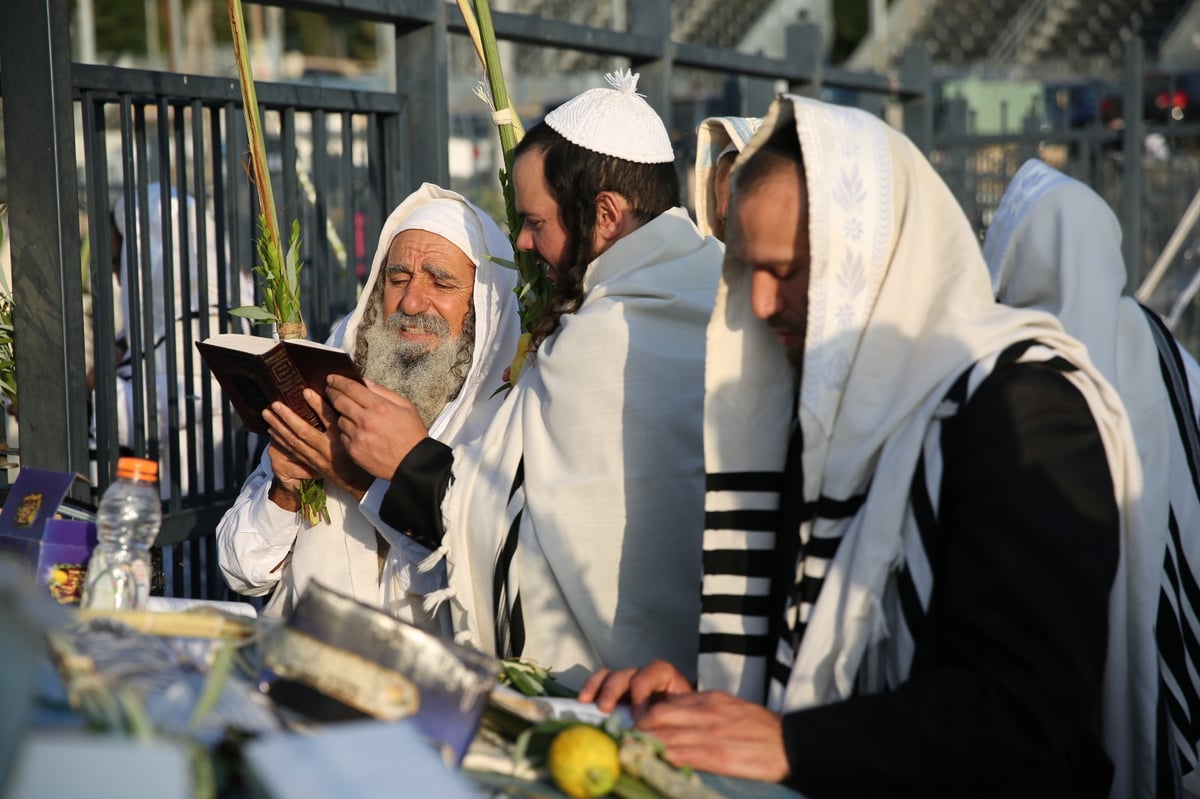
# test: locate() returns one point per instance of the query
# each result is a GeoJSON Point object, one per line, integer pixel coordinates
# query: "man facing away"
{"type": "Point", "coordinates": [1055, 245]}
{"type": "Point", "coordinates": [572, 527]}
{"type": "Point", "coordinates": [436, 322]}
{"type": "Point", "coordinates": [915, 497]}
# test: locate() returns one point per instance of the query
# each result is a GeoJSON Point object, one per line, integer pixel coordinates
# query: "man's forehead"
{"type": "Point", "coordinates": [414, 245]}
{"type": "Point", "coordinates": [529, 177]}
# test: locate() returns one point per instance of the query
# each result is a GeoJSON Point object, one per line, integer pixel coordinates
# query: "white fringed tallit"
{"type": "Point", "coordinates": [899, 308]}
{"type": "Point", "coordinates": [573, 525]}
{"type": "Point", "coordinates": [1055, 245]}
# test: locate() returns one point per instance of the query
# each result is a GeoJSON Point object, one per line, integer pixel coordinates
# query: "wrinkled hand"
{"type": "Point", "coordinates": [378, 427]}
{"type": "Point", "coordinates": [719, 733]}
{"type": "Point", "coordinates": [289, 471]}
{"type": "Point", "coordinates": [321, 453]}
{"type": "Point", "coordinates": [638, 687]}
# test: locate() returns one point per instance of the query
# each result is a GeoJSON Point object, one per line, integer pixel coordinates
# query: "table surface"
{"type": "Point", "coordinates": [726, 786]}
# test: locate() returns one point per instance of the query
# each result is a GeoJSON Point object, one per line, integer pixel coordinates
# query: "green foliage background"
{"type": "Point", "coordinates": [121, 30]}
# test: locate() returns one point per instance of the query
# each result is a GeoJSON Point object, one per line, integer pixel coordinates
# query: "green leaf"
{"type": "Point", "coordinates": [253, 312]}
{"type": "Point", "coordinates": [523, 682]}
{"type": "Point", "coordinates": [507, 264]}
{"type": "Point", "coordinates": [214, 684]}
{"type": "Point", "coordinates": [313, 501]}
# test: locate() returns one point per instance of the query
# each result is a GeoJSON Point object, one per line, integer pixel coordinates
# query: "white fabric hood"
{"type": "Point", "coordinates": [497, 325]}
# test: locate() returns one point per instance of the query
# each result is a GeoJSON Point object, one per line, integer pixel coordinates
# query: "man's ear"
{"type": "Point", "coordinates": [613, 219]}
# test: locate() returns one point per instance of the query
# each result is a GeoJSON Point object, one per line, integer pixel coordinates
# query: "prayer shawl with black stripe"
{"type": "Point", "coordinates": [1055, 245]}
{"type": "Point", "coordinates": [899, 309]}
{"type": "Point", "coordinates": [573, 525]}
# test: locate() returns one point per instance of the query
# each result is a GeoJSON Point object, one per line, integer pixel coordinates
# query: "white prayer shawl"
{"type": "Point", "coordinates": [1055, 245]}
{"type": "Point", "coordinates": [606, 421]}
{"type": "Point", "coordinates": [256, 535]}
{"type": "Point", "coordinates": [714, 137]}
{"type": "Point", "coordinates": [899, 307]}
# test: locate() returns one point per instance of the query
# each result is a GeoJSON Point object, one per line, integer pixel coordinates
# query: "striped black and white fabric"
{"type": "Point", "coordinates": [899, 308]}
{"type": "Point", "coordinates": [581, 506]}
{"type": "Point", "coordinates": [506, 591]}
{"type": "Point", "coordinates": [1177, 627]}
{"type": "Point", "coordinates": [768, 645]}
{"type": "Point", "coordinates": [1055, 245]}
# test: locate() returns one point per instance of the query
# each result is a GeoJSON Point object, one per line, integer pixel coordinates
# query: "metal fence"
{"type": "Point", "coordinates": [341, 158]}
{"type": "Point", "coordinates": [185, 140]}
{"type": "Point", "coordinates": [80, 139]}
{"type": "Point", "coordinates": [1147, 170]}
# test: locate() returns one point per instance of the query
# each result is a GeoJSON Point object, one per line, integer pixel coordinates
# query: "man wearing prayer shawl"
{"type": "Point", "coordinates": [571, 529]}
{"type": "Point", "coordinates": [916, 498]}
{"type": "Point", "coordinates": [718, 142]}
{"type": "Point", "coordinates": [1055, 245]}
{"type": "Point", "coordinates": [433, 263]}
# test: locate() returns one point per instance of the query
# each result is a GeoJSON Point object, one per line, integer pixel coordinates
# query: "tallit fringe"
{"type": "Point", "coordinates": [434, 599]}
{"type": "Point", "coordinates": [433, 559]}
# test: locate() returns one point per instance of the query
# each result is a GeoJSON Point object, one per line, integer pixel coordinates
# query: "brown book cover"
{"type": "Point", "coordinates": [255, 371]}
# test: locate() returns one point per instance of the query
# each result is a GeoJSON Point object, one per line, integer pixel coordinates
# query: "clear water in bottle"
{"type": "Point", "coordinates": [127, 523]}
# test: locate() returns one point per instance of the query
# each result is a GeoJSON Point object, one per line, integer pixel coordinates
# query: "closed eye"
{"type": "Point", "coordinates": [397, 274]}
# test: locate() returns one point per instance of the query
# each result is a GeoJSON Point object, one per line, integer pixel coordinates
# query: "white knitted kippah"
{"type": "Point", "coordinates": [616, 122]}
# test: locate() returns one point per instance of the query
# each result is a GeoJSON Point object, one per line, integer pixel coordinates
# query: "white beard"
{"type": "Point", "coordinates": [426, 377]}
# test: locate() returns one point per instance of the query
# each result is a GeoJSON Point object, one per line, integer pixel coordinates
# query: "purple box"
{"type": "Point", "coordinates": [53, 551]}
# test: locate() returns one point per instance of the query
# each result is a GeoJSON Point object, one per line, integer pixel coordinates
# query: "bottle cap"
{"type": "Point", "coordinates": [130, 468]}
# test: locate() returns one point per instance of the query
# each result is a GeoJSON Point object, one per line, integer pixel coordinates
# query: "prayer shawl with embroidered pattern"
{"type": "Point", "coordinates": [899, 310]}
{"type": "Point", "coordinates": [1055, 245]}
{"type": "Point", "coordinates": [573, 525]}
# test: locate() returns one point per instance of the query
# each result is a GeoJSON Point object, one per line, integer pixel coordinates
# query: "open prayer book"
{"type": "Point", "coordinates": [255, 371]}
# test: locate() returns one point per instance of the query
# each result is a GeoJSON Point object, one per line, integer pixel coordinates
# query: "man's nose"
{"type": "Point", "coordinates": [415, 299]}
{"type": "Point", "coordinates": [525, 239]}
{"type": "Point", "coordinates": [764, 295]}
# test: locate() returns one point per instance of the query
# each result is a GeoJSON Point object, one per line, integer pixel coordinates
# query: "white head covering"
{"type": "Point", "coordinates": [453, 220]}
{"type": "Point", "coordinates": [716, 137]}
{"type": "Point", "coordinates": [1065, 259]}
{"type": "Point", "coordinates": [497, 325]}
{"type": "Point", "coordinates": [899, 307]}
{"type": "Point", "coordinates": [617, 122]}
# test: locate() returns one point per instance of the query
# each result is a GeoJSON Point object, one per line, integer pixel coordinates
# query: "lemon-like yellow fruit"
{"type": "Point", "coordinates": [583, 761]}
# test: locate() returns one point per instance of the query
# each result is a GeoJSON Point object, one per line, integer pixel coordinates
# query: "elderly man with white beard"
{"type": "Point", "coordinates": [437, 323]}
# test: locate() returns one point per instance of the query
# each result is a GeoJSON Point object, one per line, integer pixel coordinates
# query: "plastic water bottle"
{"type": "Point", "coordinates": [127, 523]}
